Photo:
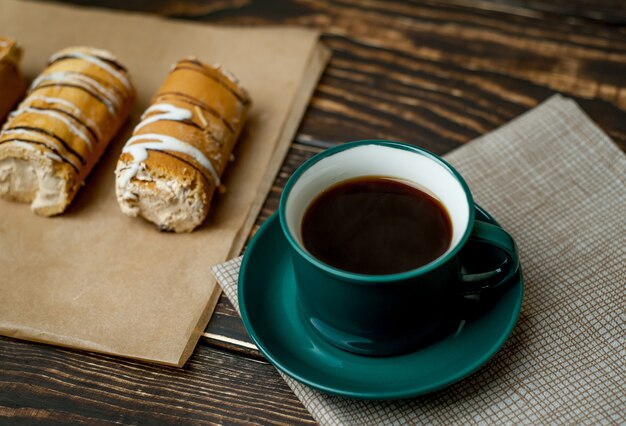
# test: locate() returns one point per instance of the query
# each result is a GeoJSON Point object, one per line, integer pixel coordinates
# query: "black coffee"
{"type": "Point", "coordinates": [375, 225]}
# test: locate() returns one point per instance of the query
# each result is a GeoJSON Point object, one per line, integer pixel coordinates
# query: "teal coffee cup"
{"type": "Point", "coordinates": [394, 313]}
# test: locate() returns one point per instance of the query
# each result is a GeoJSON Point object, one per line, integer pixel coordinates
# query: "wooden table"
{"type": "Point", "coordinates": [436, 73]}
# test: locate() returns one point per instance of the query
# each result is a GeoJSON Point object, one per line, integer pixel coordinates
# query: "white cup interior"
{"type": "Point", "coordinates": [385, 161]}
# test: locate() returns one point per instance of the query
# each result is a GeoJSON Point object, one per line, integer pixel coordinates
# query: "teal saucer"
{"type": "Point", "coordinates": [267, 300]}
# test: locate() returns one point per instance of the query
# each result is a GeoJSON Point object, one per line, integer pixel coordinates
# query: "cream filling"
{"type": "Point", "coordinates": [34, 182]}
{"type": "Point", "coordinates": [172, 206]}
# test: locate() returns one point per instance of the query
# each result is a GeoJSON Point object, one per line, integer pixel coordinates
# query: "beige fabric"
{"type": "Point", "coordinates": [558, 184]}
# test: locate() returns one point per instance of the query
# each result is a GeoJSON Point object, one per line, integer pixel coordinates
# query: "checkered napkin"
{"type": "Point", "coordinates": [557, 183]}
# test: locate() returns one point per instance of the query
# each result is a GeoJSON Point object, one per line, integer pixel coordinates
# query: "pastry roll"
{"type": "Point", "coordinates": [55, 137]}
{"type": "Point", "coordinates": [171, 166]}
{"type": "Point", "coordinates": [12, 85]}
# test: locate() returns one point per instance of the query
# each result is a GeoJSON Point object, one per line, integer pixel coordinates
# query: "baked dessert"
{"type": "Point", "coordinates": [12, 85]}
{"type": "Point", "coordinates": [55, 137]}
{"type": "Point", "coordinates": [171, 166]}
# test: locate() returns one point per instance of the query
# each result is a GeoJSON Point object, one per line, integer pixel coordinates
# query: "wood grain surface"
{"type": "Point", "coordinates": [40, 383]}
{"type": "Point", "coordinates": [436, 73]}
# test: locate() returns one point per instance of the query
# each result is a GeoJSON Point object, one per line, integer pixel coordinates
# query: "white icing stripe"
{"type": "Point", "coordinates": [126, 176]}
{"type": "Point", "coordinates": [59, 117]}
{"type": "Point", "coordinates": [24, 145]}
{"type": "Point", "coordinates": [121, 77]}
{"type": "Point", "coordinates": [36, 137]}
{"type": "Point", "coordinates": [110, 98]}
{"type": "Point", "coordinates": [45, 152]}
{"type": "Point", "coordinates": [158, 142]}
{"type": "Point", "coordinates": [4, 43]}
{"type": "Point", "coordinates": [51, 155]}
{"type": "Point", "coordinates": [166, 112]}
{"type": "Point", "coordinates": [73, 109]}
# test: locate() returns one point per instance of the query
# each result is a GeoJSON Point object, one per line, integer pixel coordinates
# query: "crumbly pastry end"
{"type": "Point", "coordinates": [174, 198]}
{"type": "Point", "coordinates": [32, 175]}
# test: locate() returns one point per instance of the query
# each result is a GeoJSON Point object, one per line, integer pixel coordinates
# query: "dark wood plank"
{"type": "Point", "coordinates": [49, 385]}
{"type": "Point", "coordinates": [606, 11]}
{"type": "Point", "coordinates": [439, 75]}
{"type": "Point", "coordinates": [226, 331]}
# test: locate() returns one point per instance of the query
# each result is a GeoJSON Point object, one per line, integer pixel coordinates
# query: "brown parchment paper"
{"type": "Point", "coordinates": [98, 280]}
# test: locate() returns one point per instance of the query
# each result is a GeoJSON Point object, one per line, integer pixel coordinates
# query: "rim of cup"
{"type": "Point", "coordinates": [383, 278]}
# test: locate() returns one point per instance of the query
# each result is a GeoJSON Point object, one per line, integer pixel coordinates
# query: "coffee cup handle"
{"type": "Point", "coordinates": [494, 236]}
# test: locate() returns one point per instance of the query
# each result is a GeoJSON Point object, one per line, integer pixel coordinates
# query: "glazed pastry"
{"type": "Point", "coordinates": [171, 166]}
{"type": "Point", "coordinates": [55, 137]}
{"type": "Point", "coordinates": [12, 85]}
